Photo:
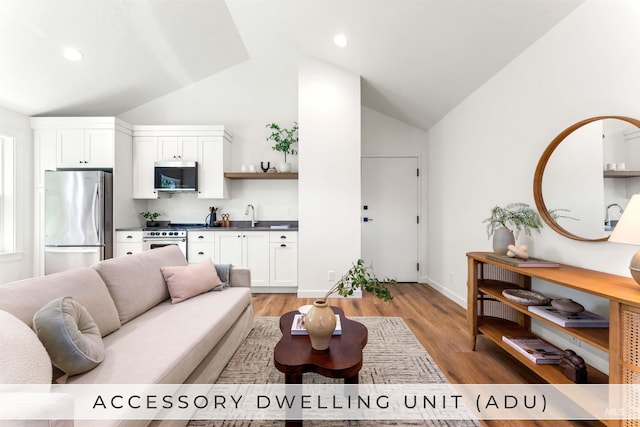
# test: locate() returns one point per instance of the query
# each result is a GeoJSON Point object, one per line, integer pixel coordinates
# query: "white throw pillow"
{"type": "Point", "coordinates": [23, 358]}
{"type": "Point", "coordinates": [185, 282]}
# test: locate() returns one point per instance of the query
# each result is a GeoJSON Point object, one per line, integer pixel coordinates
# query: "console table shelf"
{"type": "Point", "coordinates": [489, 313]}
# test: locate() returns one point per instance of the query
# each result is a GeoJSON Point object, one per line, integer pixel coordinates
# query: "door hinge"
{"type": "Point", "coordinates": [418, 219]}
{"type": "Point", "coordinates": [418, 266]}
{"type": "Point", "coordinates": [417, 172]}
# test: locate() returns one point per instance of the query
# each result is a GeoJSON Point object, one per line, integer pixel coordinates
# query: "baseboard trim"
{"type": "Point", "coordinates": [444, 291]}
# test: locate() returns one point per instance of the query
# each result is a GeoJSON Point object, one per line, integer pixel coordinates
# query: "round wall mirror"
{"type": "Point", "coordinates": [586, 176]}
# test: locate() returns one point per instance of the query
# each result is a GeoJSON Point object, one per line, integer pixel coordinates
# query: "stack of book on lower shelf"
{"type": "Point", "coordinates": [585, 319]}
{"type": "Point", "coordinates": [535, 349]}
{"type": "Point", "coordinates": [297, 328]}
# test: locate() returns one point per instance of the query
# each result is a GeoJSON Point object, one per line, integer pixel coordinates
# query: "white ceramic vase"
{"type": "Point", "coordinates": [284, 167]}
{"type": "Point", "coordinates": [502, 238]}
{"type": "Point", "coordinates": [320, 322]}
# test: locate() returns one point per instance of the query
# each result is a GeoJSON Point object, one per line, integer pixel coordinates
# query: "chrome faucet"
{"type": "Point", "coordinates": [253, 214]}
{"type": "Point", "coordinates": [607, 219]}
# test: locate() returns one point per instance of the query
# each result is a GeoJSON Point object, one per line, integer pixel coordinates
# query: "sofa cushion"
{"type": "Point", "coordinates": [165, 344]}
{"type": "Point", "coordinates": [23, 358]}
{"type": "Point", "coordinates": [135, 281]}
{"type": "Point", "coordinates": [25, 297]}
{"type": "Point", "coordinates": [70, 335]}
{"type": "Point", "coordinates": [187, 281]}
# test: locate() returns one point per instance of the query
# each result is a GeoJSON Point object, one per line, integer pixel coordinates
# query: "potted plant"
{"type": "Point", "coordinates": [151, 218]}
{"type": "Point", "coordinates": [283, 139]}
{"type": "Point", "coordinates": [320, 321]}
{"type": "Point", "coordinates": [520, 216]}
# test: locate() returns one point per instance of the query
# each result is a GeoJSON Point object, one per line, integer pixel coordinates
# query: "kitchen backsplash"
{"type": "Point", "coordinates": [272, 199]}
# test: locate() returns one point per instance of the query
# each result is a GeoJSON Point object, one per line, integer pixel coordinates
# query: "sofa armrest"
{"type": "Point", "coordinates": [240, 277]}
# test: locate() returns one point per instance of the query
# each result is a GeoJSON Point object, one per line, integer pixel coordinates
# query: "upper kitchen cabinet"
{"type": "Point", "coordinates": [208, 145]}
{"type": "Point", "coordinates": [80, 142]}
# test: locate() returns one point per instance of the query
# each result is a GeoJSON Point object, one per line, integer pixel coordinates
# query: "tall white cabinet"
{"type": "Point", "coordinates": [103, 143]}
{"type": "Point", "coordinates": [209, 145]}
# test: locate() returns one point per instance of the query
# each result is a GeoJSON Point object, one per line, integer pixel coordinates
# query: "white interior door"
{"type": "Point", "coordinates": [390, 216]}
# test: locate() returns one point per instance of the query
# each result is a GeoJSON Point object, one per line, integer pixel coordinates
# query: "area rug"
{"type": "Point", "coordinates": [393, 355]}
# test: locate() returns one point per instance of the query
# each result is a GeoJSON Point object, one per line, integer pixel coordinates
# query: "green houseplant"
{"type": "Point", "coordinates": [283, 139]}
{"type": "Point", "coordinates": [151, 218]}
{"type": "Point", "coordinates": [518, 216]}
{"type": "Point", "coordinates": [320, 321]}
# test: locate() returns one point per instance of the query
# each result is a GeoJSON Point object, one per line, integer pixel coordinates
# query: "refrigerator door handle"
{"type": "Point", "coordinates": [72, 249]}
{"type": "Point", "coordinates": [96, 198]}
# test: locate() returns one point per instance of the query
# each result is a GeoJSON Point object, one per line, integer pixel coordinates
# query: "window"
{"type": "Point", "coordinates": [7, 194]}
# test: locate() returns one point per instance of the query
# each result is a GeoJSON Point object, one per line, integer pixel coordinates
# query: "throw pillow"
{"type": "Point", "coordinates": [70, 335]}
{"type": "Point", "coordinates": [23, 358]}
{"type": "Point", "coordinates": [185, 282]}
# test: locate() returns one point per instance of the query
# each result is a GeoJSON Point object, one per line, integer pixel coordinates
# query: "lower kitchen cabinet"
{"type": "Point", "coordinates": [245, 249]}
{"type": "Point", "coordinates": [272, 256]}
{"type": "Point", "coordinates": [128, 242]}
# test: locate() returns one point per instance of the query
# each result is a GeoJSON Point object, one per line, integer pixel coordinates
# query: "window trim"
{"type": "Point", "coordinates": [7, 195]}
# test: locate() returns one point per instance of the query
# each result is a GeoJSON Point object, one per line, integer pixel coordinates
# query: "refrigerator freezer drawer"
{"type": "Point", "coordinates": [58, 259]}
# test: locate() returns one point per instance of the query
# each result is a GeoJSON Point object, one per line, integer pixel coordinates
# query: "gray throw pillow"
{"type": "Point", "coordinates": [70, 335]}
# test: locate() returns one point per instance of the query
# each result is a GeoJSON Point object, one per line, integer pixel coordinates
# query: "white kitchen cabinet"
{"type": "Point", "coordinates": [245, 249]}
{"type": "Point", "coordinates": [200, 245]}
{"type": "Point", "coordinates": [213, 159]}
{"type": "Point", "coordinates": [178, 148]}
{"type": "Point", "coordinates": [145, 154]}
{"type": "Point", "coordinates": [283, 259]}
{"type": "Point", "coordinates": [85, 148]}
{"type": "Point", "coordinates": [128, 242]}
{"type": "Point", "coordinates": [209, 145]}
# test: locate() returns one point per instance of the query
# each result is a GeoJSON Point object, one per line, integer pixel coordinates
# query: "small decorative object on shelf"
{"type": "Point", "coordinates": [265, 168]}
{"type": "Point", "coordinates": [567, 305]}
{"type": "Point", "coordinates": [585, 319]}
{"type": "Point", "coordinates": [519, 262]}
{"type": "Point", "coordinates": [535, 349]}
{"type": "Point", "coordinates": [573, 367]}
{"type": "Point", "coordinates": [520, 216]}
{"type": "Point", "coordinates": [525, 297]}
{"type": "Point", "coordinates": [519, 251]}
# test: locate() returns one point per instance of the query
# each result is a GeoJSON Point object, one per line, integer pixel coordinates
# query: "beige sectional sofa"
{"type": "Point", "coordinates": [147, 339]}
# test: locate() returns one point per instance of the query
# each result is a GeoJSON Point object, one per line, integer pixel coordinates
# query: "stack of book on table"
{"type": "Point", "coordinates": [585, 319]}
{"type": "Point", "coordinates": [297, 328]}
{"type": "Point", "coordinates": [535, 349]}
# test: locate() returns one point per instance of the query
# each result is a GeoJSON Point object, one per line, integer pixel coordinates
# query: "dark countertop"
{"type": "Point", "coordinates": [234, 225]}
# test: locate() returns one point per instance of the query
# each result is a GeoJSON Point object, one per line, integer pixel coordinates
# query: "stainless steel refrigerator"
{"type": "Point", "coordinates": [78, 219]}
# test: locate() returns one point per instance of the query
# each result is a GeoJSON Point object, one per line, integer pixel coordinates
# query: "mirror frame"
{"type": "Point", "coordinates": [542, 164]}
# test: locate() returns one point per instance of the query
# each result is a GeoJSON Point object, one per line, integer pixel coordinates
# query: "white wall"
{"type": "Point", "coordinates": [485, 151]}
{"type": "Point", "coordinates": [329, 185]}
{"type": "Point", "coordinates": [19, 265]}
{"type": "Point", "coordinates": [243, 98]}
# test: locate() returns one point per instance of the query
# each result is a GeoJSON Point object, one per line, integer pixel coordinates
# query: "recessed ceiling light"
{"type": "Point", "coordinates": [340, 40]}
{"type": "Point", "coordinates": [72, 54]}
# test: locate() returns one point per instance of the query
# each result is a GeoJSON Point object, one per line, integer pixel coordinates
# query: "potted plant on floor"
{"type": "Point", "coordinates": [283, 140]}
{"type": "Point", "coordinates": [320, 321]}
{"type": "Point", "coordinates": [520, 216]}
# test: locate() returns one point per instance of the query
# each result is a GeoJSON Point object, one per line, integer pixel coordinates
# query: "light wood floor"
{"type": "Point", "coordinates": [441, 327]}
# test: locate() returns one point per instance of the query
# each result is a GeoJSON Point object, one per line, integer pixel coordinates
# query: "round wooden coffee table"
{"type": "Point", "coordinates": [293, 354]}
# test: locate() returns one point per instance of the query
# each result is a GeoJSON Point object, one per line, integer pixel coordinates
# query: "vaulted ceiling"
{"type": "Point", "coordinates": [418, 58]}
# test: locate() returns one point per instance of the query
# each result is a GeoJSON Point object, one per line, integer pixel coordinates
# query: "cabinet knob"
{"type": "Point", "coordinates": [129, 237]}
{"type": "Point", "coordinates": [201, 237]}
{"type": "Point", "coordinates": [283, 245]}
{"type": "Point", "coordinates": [283, 237]}
{"type": "Point", "coordinates": [200, 253]}
{"type": "Point", "coordinates": [129, 253]}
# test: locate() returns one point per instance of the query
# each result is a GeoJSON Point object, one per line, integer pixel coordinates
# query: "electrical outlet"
{"type": "Point", "coordinates": [575, 341]}
{"type": "Point", "coordinates": [331, 275]}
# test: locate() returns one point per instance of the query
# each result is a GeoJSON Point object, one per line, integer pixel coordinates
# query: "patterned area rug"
{"type": "Point", "coordinates": [393, 355]}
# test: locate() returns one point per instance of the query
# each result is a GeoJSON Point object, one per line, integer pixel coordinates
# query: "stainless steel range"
{"type": "Point", "coordinates": [153, 238]}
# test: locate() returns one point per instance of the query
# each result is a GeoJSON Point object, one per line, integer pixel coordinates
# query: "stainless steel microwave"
{"type": "Point", "coordinates": [176, 176]}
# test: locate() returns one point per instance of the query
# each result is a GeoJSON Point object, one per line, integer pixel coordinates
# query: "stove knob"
{"type": "Point", "coordinates": [164, 233]}
{"type": "Point", "coordinates": [171, 233]}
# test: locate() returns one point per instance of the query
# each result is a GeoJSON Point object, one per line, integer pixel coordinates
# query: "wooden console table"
{"type": "Point", "coordinates": [492, 315]}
